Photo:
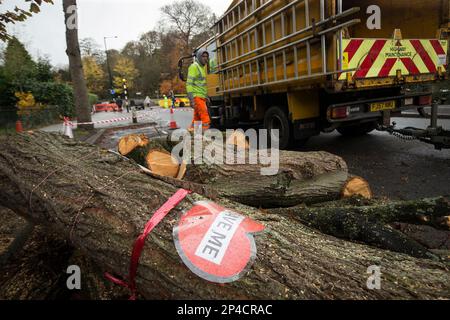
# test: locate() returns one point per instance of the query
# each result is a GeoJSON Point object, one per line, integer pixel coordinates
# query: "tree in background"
{"type": "Point", "coordinates": [21, 75]}
{"type": "Point", "coordinates": [95, 67]}
{"type": "Point", "coordinates": [44, 72]}
{"type": "Point", "coordinates": [94, 75]}
{"type": "Point", "coordinates": [89, 47]}
{"type": "Point", "coordinates": [31, 85]}
{"type": "Point", "coordinates": [18, 15]}
{"type": "Point", "coordinates": [188, 19]}
{"type": "Point", "coordinates": [19, 68]}
{"type": "Point", "coordinates": [2, 53]}
{"type": "Point", "coordinates": [124, 68]}
{"type": "Point", "coordinates": [171, 51]}
{"type": "Point", "coordinates": [7, 97]}
{"type": "Point", "coordinates": [146, 56]}
{"type": "Point", "coordinates": [150, 42]}
{"type": "Point", "coordinates": [175, 85]}
{"type": "Point", "coordinates": [62, 75]}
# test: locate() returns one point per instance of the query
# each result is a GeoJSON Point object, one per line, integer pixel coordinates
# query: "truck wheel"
{"type": "Point", "coordinates": [358, 130]}
{"type": "Point", "coordinates": [276, 118]}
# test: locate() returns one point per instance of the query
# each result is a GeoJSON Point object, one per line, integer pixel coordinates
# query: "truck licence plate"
{"type": "Point", "coordinates": [409, 102]}
{"type": "Point", "coordinates": [380, 106]}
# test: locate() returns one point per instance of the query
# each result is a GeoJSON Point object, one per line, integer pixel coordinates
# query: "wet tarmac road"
{"type": "Point", "coordinates": [395, 168]}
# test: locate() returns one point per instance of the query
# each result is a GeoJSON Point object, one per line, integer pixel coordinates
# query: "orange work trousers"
{"type": "Point", "coordinates": [201, 113]}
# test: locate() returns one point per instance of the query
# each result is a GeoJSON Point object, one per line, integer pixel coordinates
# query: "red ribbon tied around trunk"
{"type": "Point", "coordinates": [157, 217]}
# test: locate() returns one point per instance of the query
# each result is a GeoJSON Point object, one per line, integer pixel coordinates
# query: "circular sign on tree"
{"type": "Point", "coordinates": [215, 243]}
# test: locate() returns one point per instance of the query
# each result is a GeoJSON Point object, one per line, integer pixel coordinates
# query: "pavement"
{"type": "Point", "coordinates": [151, 115]}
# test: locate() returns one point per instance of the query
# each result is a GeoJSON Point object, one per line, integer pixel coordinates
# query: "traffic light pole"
{"type": "Point", "coordinates": [125, 96]}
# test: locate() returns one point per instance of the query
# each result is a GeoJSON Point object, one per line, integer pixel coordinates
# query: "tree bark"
{"type": "Point", "coordinates": [433, 212]}
{"type": "Point", "coordinates": [369, 224]}
{"type": "Point", "coordinates": [101, 202]}
{"type": "Point", "coordinates": [308, 177]}
{"type": "Point", "coordinates": [303, 177]}
{"type": "Point", "coordinates": [82, 108]}
{"type": "Point", "coordinates": [36, 272]}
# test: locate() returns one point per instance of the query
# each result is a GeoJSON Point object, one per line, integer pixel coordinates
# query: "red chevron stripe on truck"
{"type": "Point", "coordinates": [382, 58]}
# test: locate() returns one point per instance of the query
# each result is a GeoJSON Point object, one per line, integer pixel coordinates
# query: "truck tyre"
{"type": "Point", "coordinates": [358, 130]}
{"type": "Point", "coordinates": [276, 118]}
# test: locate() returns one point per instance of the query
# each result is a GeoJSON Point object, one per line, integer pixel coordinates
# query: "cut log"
{"type": "Point", "coordinates": [130, 142]}
{"type": "Point", "coordinates": [308, 177]}
{"type": "Point", "coordinates": [134, 147]}
{"type": "Point", "coordinates": [429, 237]}
{"type": "Point", "coordinates": [182, 170]}
{"type": "Point", "coordinates": [302, 177]}
{"type": "Point", "coordinates": [239, 140]}
{"type": "Point", "coordinates": [162, 163]}
{"type": "Point", "coordinates": [357, 186]}
{"type": "Point", "coordinates": [102, 202]}
{"type": "Point", "coordinates": [432, 212]}
{"type": "Point", "coordinates": [369, 223]}
{"type": "Point", "coordinates": [151, 153]}
{"type": "Point", "coordinates": [345, 224]}
{"type": "Point", "coordinates": [154, 155]}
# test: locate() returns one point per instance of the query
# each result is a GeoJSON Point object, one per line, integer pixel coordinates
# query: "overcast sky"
{"type": "Point", "coordinates": [43, 34]}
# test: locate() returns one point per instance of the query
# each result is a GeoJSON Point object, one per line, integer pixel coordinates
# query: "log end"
{"type": "Point", "coordinates": [239, 140]}
{"type": "Point", "coordinates": [357, 186]}
{"type": "Point", "coordinates": [130, 142]}
{"type": "Point", "coordinates": [162, 163]}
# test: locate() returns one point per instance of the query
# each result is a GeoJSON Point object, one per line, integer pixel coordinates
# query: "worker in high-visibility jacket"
{"type": "Point", "coordinates": [197, 90]}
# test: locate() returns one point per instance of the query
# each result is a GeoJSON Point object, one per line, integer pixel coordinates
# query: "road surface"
{"type": "Point", "coordinates": [395, 168]}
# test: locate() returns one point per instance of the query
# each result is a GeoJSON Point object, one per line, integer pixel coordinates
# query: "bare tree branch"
{"type": "Point", "coordinates": [189, 18]}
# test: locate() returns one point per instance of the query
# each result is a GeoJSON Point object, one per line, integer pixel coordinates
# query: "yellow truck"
{"type": "Point", "coordinates": [311, 66]}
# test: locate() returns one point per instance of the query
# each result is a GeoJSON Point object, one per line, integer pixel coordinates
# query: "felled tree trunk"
{"type": "Point", "coordinates": [101, 202]}
{"type": "Point", "coordinates": [36, 271]}
{"type": "Point", "coordinates": [308, 177]}
{"type": "Point", "coordinates": [369, 224]}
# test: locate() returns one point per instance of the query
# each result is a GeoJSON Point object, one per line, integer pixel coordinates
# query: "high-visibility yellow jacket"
{"type": "Point", "coordinates": [196, 81]}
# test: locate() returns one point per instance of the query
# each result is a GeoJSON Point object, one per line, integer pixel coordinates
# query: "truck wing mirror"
{"type": "Point", "coordinates": [180, 68]}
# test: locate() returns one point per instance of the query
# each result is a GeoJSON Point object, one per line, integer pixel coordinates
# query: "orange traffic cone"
{"type": "Point", "coordinates": [173, 124]}
{"type": "Point", "coordinates": [19, 127]}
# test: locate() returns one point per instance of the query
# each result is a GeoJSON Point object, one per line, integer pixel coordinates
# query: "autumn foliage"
{"type": "Point", "coordinates": [175, 85]}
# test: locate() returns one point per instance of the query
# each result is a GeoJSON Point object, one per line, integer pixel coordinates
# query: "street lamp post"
{"type": "Point", "coordinates": [111, 85]}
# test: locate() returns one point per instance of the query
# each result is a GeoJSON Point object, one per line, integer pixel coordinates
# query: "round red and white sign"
{"type": "Point", "coordinates": [215, 243]}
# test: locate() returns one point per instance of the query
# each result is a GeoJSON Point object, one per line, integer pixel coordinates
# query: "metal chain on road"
{"type": "Point", "coordinates": [403, 137]}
